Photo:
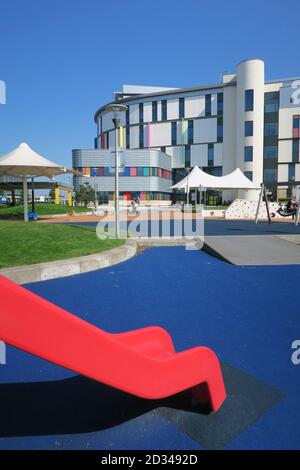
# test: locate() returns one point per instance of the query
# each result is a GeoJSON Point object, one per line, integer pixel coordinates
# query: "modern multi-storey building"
{"type": "Point", "coordinates": [244, 121]}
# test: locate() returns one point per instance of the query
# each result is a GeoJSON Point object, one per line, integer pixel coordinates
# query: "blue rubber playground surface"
{"type": "Point", "coordinates": [248, 315]}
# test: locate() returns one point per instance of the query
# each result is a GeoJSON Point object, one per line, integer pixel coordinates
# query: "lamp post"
{"type": "Point", "coordinates": [116, 109]}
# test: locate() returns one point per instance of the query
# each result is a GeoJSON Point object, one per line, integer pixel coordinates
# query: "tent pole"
{"type": "Point", "coordinates": [25, 198]}
{"type": "Point", "coordinates": [267, 205]}
{"type": "Point", "coordinates": [259, 202]}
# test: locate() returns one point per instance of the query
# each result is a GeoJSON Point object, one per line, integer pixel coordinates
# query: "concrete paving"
{"type": "Point", "coordinates": [249, 250]}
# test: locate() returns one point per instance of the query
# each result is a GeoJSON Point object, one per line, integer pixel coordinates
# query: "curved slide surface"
{"type": "Point", "coordinates": [141, 362]}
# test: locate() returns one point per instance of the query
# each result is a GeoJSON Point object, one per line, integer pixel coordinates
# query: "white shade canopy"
{"type": "Point", "coordinates": [23, 161]}
{"type": "Point", "coordinates": [197, 178]}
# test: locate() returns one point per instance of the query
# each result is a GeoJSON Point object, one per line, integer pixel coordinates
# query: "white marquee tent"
{"type": "Point", "coordinates": [25, 162]}
{"type": "Point", "coordinates": [197, 178]}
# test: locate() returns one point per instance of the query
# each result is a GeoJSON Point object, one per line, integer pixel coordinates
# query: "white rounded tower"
{"type": "Point", "coordinates": [250, 122]}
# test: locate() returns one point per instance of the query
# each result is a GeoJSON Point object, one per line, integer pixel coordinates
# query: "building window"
{"type": "Point", "coordinates": [164, 110]}
{"type": "Point", "coordinates": [249, 175]}
{"type": "Point", "coordinates": [107, 140]}
{"type": "Point", "coordinates": [141, 112]}
{"type": "Point", "coordinates": [210, 155]}
{"type": "Point", "coordinates": [296, 127]}
{"type": "Point", "coordinates": [174, 133]}
{"type": "Point", "coordinates": [296, 150]}
{"type": "Point", "coordinates": [190, 131]}
{"type": "Point", "coordinates": [154, 111]}
{"type": "Point", "coordinates": [181, 108]}
{"type": "Point", "coordinates": [270, 152]}
{"type": "Point", "coordinates": [270, 175]}
{"type": "Point", "coordinates": [127, 117]}
{"type": "Point", "coordinates": [248, 128]}
{"type": "Point", "coordinates": [271, 128]}
{"type": "Point", "coordinates": [220, 105]}
{"type": "Point", "coordinates": [141, 136]}
{"type": "Point", "coordinates": [220, 129]}
{"type": "Point", "coordinates": [187, 156]}
{"type": "Point", "coordinates": [163, 149]}
{"type": "Point", "coordinates": [292, 172]}
{"type": "Point", "coordinates": [128, 137]}
{"type": "Point", "coordinates": [249, 100]}
{"type": "Point", "coordinates": [207, 105]}
{"type": "Point", "coordinates": [248, 153]}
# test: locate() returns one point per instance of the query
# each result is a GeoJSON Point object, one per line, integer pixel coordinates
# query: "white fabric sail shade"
{"type": "Point", "coordinates": [25, 162]}
{"type": "Point", "coordinates": [198, 177]}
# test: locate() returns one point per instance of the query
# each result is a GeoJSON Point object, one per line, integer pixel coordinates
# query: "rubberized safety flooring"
{"type": "Point", "coordinates": [248, 314]}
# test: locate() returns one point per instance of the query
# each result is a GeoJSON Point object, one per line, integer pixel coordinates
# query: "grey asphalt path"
{"type": "Point", "coordinates": [247, 250]}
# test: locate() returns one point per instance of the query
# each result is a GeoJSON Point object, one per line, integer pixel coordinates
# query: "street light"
{"type": "Point", "coordinates": [116, 109]}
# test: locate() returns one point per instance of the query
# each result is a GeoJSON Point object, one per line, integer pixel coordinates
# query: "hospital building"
{"type": "Point", "coordinates": [245, 122]}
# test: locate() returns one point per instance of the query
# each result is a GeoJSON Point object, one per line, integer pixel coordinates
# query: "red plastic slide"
{"type": "Point", "coordinates": [141, 362]}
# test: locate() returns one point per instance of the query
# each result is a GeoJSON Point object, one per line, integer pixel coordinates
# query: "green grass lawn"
{"type": "Point", "coordinates": [42, 208]}
{"type": "Point", "coordinates": [28, 243]}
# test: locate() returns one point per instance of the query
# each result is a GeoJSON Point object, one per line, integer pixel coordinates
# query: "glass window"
{"type": "Point", "coordinates": [127, 117]}
{"type": "Point", "coordinates": [295, 150]}
{"type": "Point", "coordinates": [164, 110]}
{"type": "Point", "coordinates": [296, 127]}
{"type": "Point", "coordinates": [210, 154]}
{"type": "Point", "coordinates": [220, 104]}
{"type": "Point", "coordinates": [146, 171]}
{"type": "Point", "coordinates": [292, 171]}
{"type": "Point", "coordinates": [139, 171]}
{"type": "Point", "coordinates": [248, 128]}
{"type": "Point", "coordinates": [249, 175]}
{"type": "Point", "coordinates": [190, 131]}
{"type": "Point", "coordinates": [271, 128]}
{"type": "Point", "coordinates": [141, 136]}
{"type": "Point", "coordinates": [249, 100]}
{"type": "Point", "coordinates": [181, 108]}
{"type": "Point", "coordinates": [127, 137]}
{"type": "Point", "coordinates": [270, 175]}
{"type": "Point", "coordinates": [107, 140]}
{"type": "Point", "coordinates": [187, 156]}
{"type": "Point", "coordinates": [163, 149]}
{"type": "Point", "coordinates": [174, 133]}
{"type": "Point", "coordinates": [141, 112]}
{"type": "Point", "coordinates": [154, 111]}
{"type": "Point", "coordinates": [126, 171]}
{"type": "Point", "coordinates": [207, 105]}
{"type": "Point", "coordinates": [248, 153]}
{"type": "Point", "coordinates": [270, 152]}
{"type": "Point", "coordinates": [220, 129]}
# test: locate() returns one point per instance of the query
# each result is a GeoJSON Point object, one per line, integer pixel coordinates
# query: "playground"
{"type": "Point", "coordinates": [246, 314]}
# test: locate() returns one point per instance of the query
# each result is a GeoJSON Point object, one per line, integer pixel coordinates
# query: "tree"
{"type": "Point", "coordinates": [85, 194]}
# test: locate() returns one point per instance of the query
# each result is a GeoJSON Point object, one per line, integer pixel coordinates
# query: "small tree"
{"type": "Point", "coordinates": [84, 195]}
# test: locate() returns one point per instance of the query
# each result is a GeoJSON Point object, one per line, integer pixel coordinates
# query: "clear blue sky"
{"type": "Point", "coordinates": [62, 59]}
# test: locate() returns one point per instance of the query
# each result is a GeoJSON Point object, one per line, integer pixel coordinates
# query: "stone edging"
{"type": "Point", "coordinates": [69, 267]}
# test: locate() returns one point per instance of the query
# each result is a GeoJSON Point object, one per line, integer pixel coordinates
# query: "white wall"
{"type": "Point", "coordinates": [285, 153]}
{"type": "Point", "coordinates": [134, 137]}
{"type": "Point", "coordinates": [134, 114]}
{"type": "Point", "coordinates": [194, 106]}
{"type": "Point", "coordinates": [172, 109]}
{"type": "Point", "coordinates": [148, 111]}
{"type": "Point", "coordinates": [205, 130]}
{"type": "Point", "coordinates": [199, 155]}
{"type": "Point", "coordinates": [160, 134]}
{"type": "Point", "coordinates": [283, 173]}
{"type": "Point", "coordinates": [218, 154]}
